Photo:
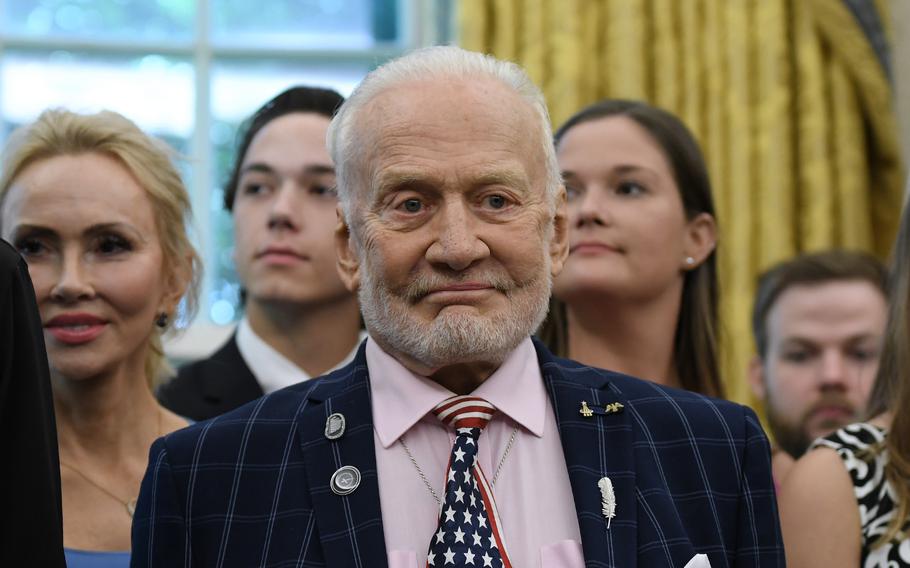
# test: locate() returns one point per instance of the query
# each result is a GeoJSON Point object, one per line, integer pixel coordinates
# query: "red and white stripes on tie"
{"type": "Point", "coordinates": [464, 412]}
{"type": "Point", "coordinates": [469, 530]}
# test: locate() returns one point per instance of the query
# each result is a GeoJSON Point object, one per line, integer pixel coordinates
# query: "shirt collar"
{"type": "Point", "coordinates": [401, 398]}
{"type": "Point", "coordinates": [274, 371]}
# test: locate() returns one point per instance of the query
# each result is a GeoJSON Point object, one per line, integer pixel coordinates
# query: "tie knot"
{"type": "Point", "coordinates": [464, 412]}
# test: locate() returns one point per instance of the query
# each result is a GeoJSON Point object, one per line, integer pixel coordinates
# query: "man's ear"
{"type": "Point", "coordinates": [347, 262]}
{"type": "Point", "coordinates": [701, 238]}
{"type": "Point", "coordinates": [559, 244]}
{"type": "Point", "coordinates": [757, 377]}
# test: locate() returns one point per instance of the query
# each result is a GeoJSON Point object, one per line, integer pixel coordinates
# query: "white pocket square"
{"type": "Point", "coordinates": [698, 561]}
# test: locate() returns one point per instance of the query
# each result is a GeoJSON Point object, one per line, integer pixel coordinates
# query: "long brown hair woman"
{"type": "Point", "coordinates": [639, 291]}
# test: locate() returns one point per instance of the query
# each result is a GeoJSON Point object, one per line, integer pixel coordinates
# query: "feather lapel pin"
{"type": "Point", "coordinates": [608, 499]}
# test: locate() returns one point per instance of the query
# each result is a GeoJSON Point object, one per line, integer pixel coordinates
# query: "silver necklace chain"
{"type": "Point", "coordinates": [420, 471]}
{"type": "Point", "coordinates": [426, 482]}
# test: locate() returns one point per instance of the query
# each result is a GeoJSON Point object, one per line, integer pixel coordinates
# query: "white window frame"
{"type": "Point", "coordinates": [418, 22]}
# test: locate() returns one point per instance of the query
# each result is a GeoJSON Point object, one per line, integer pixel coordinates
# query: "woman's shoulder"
{"type": "Point", "coordinates": [819, 514]}
{"type": "Point", "coordinates": [818, 471]}
{"type": "Point", "coordinates": [858, 449]}
{"type": "Point", "coordinates": [861, 450]}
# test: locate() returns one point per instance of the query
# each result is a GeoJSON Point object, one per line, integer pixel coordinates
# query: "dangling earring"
{"type": "Point", "coordinates": [161, 320]}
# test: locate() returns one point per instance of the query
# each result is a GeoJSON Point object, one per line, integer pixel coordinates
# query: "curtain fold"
{"type": "Point", "coordinates": [791, 101]}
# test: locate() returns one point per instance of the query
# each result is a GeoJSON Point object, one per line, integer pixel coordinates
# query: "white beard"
{"type": "Point", "coordinates": [453, 337]}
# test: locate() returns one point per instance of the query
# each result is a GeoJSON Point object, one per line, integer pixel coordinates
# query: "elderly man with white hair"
{"type": "Point", "coordinates": [453, 438]}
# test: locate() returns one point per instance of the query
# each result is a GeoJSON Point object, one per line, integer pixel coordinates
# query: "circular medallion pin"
{"type": "Point", "coordinates": [334, 426]}
{"type": "Point", "coordinates": [345, 480]}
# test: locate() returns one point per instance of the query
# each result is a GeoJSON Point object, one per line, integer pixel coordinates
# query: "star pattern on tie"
{"type": "Point", "coordinates": [468, 531]}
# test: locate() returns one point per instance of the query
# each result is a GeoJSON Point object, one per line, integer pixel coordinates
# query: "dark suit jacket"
{"type": "Point", "coordinates": [31, 532]}
{"type": "Point", "coordinates": [210, 387]}
{"type": "Point", "coordinates": [251, 488]}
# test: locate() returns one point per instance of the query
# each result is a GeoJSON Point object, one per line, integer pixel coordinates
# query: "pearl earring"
{"type": "Point", "coordinates": [690, 261]}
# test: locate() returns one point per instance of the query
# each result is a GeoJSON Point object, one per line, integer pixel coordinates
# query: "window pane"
{"type": "Point", "coordinates": [154, 91]}
{"type": "Point", "coordinates": [320, 24]}
{"type": "Point", "coordinates": [238, 89]}
{"type": "Point", "coordinates": [102, 19]}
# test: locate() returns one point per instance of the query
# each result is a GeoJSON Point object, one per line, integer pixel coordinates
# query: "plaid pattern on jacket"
{"type": "Point", "coordinates": [691, 474]}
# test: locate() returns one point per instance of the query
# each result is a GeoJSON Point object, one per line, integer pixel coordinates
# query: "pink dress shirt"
{"type": "Point", "coordinates": [532, 492]}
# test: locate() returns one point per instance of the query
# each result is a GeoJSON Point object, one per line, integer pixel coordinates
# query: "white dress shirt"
{"type": "Point", "coordinates": [274, 371]}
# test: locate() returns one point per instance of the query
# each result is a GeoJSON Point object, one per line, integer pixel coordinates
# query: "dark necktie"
{"type": "Point", "coordinates": [468, 533]}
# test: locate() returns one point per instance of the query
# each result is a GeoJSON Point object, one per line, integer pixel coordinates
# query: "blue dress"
{"type": "Point", "coordinates": [96, 558]}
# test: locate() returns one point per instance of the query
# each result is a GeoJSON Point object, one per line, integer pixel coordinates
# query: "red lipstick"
{"type": "Point", "coordinates": [75, 329]}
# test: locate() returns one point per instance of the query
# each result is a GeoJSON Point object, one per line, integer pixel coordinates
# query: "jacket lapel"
{"type": "Point", "coordinates": [350, 526]}
{"type": "Point", "coordinates": [596, 446]}
{"type": "Point", "coordinates": [228, 381]}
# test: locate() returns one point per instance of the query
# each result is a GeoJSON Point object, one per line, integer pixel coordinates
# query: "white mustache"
{"type": "Point", "coordinates": [424, 284]}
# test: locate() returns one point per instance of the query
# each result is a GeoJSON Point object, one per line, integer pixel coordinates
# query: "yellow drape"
{"type": "Point", "coordinates": [787, 97]}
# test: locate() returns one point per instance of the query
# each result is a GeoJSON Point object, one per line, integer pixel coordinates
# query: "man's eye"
{"type": "Point", "coordinates": [864, 355]}
{"type": "Point", "coordinates": [29, 247]}
{"type": "Point", "coordinates": [324, 190]}
{"type": "Point", "coordinates": [497, 201]}
{"type": "Point", "coordinates": [573, 192]}
{"type": "Point", "coordinates": [253, 188]}
{"type": "Point", "coordinates": [412, 205]}
{"type": "Point", "coordinates": [796, 356]}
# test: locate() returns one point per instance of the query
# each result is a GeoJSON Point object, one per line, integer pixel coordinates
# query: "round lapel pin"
{"type": "Point", "coordinates": [345, 480]}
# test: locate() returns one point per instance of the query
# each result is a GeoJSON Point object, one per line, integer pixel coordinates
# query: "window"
{"type": "Point", "coordinates": [189, 71]}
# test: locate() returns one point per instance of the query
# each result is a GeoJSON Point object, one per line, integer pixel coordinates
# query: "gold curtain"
{"type": "Point", "coordinates": [790, 100]}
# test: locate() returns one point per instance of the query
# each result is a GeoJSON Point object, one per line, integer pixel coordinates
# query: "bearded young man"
{"type": "Point", "coordinates": [453, 438]}
{"type": "Point", "coordinates": [818, 323]}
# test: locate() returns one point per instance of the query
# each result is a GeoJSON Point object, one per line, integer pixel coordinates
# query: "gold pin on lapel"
{"type": "Point", "coordinates": [585, 411]}
{"type": "Point", "coordinates": [613, 408]}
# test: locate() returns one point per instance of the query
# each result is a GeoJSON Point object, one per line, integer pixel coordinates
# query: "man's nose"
{"type": "Point", "coordinates": [457, 244]}
{"type": "Point", "coordinates": [284, 212]}
{"type": "Point", "coordinates": [72, 279]}
{"type": "Point", "coordinates": [833, 372]}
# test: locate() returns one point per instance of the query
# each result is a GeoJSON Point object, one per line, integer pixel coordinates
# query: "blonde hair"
{"type": "Point", "coordinates": [61, 132]}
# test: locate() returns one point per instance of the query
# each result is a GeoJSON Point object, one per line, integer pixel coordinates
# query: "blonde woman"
{"type": "Point", "coordinates": [98, 211]}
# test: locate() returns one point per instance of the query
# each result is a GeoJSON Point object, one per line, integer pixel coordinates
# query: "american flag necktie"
{"type": "Point", "coordinates": [468, 533]}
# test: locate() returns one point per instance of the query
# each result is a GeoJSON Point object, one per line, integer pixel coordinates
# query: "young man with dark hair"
{"type": "Point", "coordinates": [299, 319]}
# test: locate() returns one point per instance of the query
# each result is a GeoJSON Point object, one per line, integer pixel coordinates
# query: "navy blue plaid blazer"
{"type": "Point", "coordinates": [691, 475]}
